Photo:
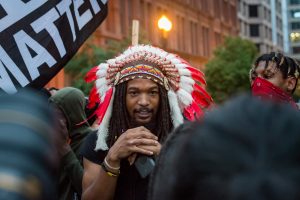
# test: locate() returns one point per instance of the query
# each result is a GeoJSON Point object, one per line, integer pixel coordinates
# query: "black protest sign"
{"type": "Point", "coordinates": [38, 37]}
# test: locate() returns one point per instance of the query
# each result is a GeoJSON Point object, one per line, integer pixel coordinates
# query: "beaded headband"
{"type": "Point", "coordinates": [141, 71]}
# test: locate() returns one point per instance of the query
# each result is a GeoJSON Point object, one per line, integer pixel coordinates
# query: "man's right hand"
{"type": "Point", "coordinates": [134, 141]}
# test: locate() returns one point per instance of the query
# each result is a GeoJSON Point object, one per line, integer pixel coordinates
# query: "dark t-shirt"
{"type": "Point", "coordinates": [130, 185]}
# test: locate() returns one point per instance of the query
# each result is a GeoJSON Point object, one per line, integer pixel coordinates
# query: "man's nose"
{"type": "Point", "coordinates": [143, 100]}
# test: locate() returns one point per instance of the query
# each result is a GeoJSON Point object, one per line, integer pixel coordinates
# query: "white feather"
{"type": "Point", "coordinates": [184, 72]}
{"type": "Point", "coordinates": [100, 82]}
{"type": "Point", "coordinates": [103, 66]}
{"type": "Point", "coordinates": [101, 73]}
{"type": "Point", "coordinates": [170, 56]}
{"type": "Point", "coordinates": [102, 91]}
{"type": "Point", "coordinates": [187, 80]}
{"type": "Point", "coordinates": [157, 52]}
{"type": "Point", "coordinates": [181, 66]}
{"type": "Point", "coordinates": [176, 114]}
{"type": "Point", "coordinates": [127, 53]}
{"type": "Point", "coordinates": [175, 61]}
{"type": "Point", "coordinates": [163, 54]}
{"type": "Point", "coordinates": [184, 97]}
{"type": "Point", "coordinates": [130, 50]}
{"type": "Point", "coordinates": [139, 48]}
{"type": "Point", "coordinates": [111, 61]}
{"type": "Point", "coordinates": [120, 58]}
{"type": "Point", "coordinates": [102, 86]}
{"type": "Point", "coordinates": [147, 48]}
{"type": "Point", "coordinates": [187, 87]}
{"type": "Point", "coordinates": [102, 97]}
{"type": "Point", "coordinates": [103, 128]}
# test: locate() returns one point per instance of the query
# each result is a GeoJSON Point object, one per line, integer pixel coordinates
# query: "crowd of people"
{"type": "Point", "coordinates": [150, 130]}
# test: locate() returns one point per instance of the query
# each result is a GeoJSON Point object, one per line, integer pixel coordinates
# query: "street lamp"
{"type": "Point", "coordinates": [165, 25]}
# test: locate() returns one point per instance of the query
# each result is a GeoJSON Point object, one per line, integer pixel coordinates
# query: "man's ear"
{"type": "Point", "coordinates": [291, 84]}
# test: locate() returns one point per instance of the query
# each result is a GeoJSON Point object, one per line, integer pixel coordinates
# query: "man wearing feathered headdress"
{"type": "Point", "coordinates": [143, 94]}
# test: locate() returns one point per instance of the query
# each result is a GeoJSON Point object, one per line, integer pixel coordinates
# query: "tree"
{"type": "Point", "coordinates": [91, 55]}
{"type": "Point", "coordinates": [227, 73]}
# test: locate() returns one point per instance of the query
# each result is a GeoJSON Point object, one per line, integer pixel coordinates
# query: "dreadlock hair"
{"type": "Point", "coordinates": [120, 119]}
{"type": "Point", "coordinates": [293, 69]}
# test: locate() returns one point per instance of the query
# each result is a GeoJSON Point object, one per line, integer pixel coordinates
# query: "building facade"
{"type": "Point", "coordinates": [199, 26]}
{"type": "Point", "coordinates": [293, 16]}
{"type": "Point", "coordinates": [261, 21]}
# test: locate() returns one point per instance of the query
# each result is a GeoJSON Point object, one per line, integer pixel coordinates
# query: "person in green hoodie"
{"type": "Point", "coordinates": [69, 105]}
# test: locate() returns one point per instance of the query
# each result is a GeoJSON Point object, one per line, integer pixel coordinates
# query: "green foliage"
{"type": "Point", "coordinates": [91, 55]}
{"type": "Point", "coordinates": [227, 73]}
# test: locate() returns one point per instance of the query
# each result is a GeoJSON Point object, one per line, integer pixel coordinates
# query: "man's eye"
{"type": "Point", "coordinates": [267, 76]}
{"type": "Point", "coordinates": [154, 92]}
{"type": "Point", "coordinates": [133, 93]}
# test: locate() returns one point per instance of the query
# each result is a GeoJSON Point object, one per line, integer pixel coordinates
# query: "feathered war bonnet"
{"type": "Point", "coordinates": [184, 84]}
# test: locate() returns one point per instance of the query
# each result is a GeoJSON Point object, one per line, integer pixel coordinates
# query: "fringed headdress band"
{"type": "Point", "coordinates": [184, 83]}
{"type": "Point", "coordinates": [141, 71]}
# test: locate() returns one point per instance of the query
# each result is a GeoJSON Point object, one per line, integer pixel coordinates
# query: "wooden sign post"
{"type": "Point", "coordinates": [135, 32]}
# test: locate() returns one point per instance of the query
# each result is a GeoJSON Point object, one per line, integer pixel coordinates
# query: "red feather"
{"type": "Point", "coordinates": [200, 100]}
{"type": "Point", "coordinates": [100, 112]}
{"type": "Point", "coordinates": [189, 113]}
{"type": "Point", "coordinates": [198, 111]}
{"type": "Point", "coordinates": [202, 92]}
{"type": "Point", "coordinates": [197, 75]}
{"type": "Point", "coordinates": [93, 98]}
{"type": "Point", "coordinates": [195, 70]}
{"type": "Point", "coordinates": [91, 75]}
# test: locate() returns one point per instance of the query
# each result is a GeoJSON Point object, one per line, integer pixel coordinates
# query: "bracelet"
{"type": "Point", "coordinates": [109, 166]}
{"type": "Point", "coordinates": [112, 174]}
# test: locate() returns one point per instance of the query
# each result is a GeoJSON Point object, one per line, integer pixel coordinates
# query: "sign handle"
{"type": "Point", "coordinates": [135, 32]}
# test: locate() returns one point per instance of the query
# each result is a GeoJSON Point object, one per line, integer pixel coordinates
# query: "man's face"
{"type": "Point", "coordinates": [142, 100]}
{"type": "Point", "coordinates": [271, 74]}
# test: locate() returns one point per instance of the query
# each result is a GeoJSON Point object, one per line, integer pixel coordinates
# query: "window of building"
{"type": "Point", "coordinates": [206, 47]}
{"type": "Point", "coordinates": [296, 50]}
{"type": "Point", "coordinates": [278, 6]}
{"type": "Point", "coordinates": [253, 11]}
{"type": "Point", "coordinates": [295, 25]}
{"type": "Point", "coordinates": [194, 38]}
{"type": "Point", "coordinates": [225, 11]}
{"type": "Point", "coordinates": [293, 2]}
{"type": "Point", "coordinates": [233, 15]}
{"type": "Point", "coordinates": [295, 13]}
{"type": "Point", "coordinates": [266, 32]}
{"type": "Point", "coordinates": [254, 30]}
{"type": "Point", "coordinates": [218, 39]}
{"type": "Point", "coordinates": [217, 8]}
{"type": "Point", "coordinates": [246, 28]}
{"type": "Point", "coordinates": [204, 5]}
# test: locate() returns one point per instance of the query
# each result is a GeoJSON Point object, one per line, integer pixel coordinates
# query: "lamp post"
{"type": "Point", "coordinates": [165, 25]}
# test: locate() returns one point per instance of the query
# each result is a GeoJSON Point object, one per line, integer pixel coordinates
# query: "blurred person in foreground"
{"type": "Point", "coordinates": [143, 94]}
{"type": "Point", "coordinates": [247, 149]}
{"type": "Point", "coordinates": [275, 76]}
{"type": "Point", "coordinates": [28, 160]}
{"type": "Point", "coordinates": [69, 105]}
